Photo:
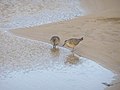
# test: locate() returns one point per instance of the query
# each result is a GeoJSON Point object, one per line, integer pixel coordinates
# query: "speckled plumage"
{"type": "Point", "coordinates": [72, 42]}
{"type": "Point", "coordinates": [55, 40]}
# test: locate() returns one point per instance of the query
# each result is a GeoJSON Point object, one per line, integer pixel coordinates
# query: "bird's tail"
{"type": "Point", "coordinates": [81, 39]}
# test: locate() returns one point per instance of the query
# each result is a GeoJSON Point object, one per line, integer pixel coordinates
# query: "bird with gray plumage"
{"type": "Point", "coordinates": [72, 42]}
{"type": "Point", "coordinates": [55, 40]}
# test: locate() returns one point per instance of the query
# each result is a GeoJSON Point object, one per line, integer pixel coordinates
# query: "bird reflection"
{"type": "Point", "coordinates": [55, 52]}
{"type": "Point", "coordinates": [72, 59]}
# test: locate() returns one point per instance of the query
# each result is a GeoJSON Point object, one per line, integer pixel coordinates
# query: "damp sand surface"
{"type": "Point", "coordinates": [101, 33]}
{"type": "Point", "coordinates": [33, 65]}
{"type": "Point", "coordinates": [100, 28]}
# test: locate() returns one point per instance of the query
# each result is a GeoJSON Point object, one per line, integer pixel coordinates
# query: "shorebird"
{"type": "Point", "coordinates": [72, 42]}
{"type": "Point", "coordinates": [55, 40]}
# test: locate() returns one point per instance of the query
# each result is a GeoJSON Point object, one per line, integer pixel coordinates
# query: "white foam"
{"type": "Point", "coordinates": [26, 13]}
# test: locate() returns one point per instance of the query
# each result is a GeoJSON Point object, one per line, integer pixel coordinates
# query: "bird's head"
{"type": "Point", "coordinates": [64, 43]}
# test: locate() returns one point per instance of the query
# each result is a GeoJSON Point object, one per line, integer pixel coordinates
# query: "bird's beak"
{"type": "Point", "coordinates": [63, 45]}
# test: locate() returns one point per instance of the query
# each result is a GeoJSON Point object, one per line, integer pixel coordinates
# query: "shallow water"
{"type": "Point", "coordinates": [27, 13]}
{"type": "Point", "coordinates": [33, 65]}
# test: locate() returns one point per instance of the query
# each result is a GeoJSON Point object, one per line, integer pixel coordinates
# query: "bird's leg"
{"type": "Point", "coordinates": [54, 46]}
{"type": "Point", "coordinates": [72, 50]}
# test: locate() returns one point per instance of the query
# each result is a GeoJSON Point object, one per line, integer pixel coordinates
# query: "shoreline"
{"type": "Point", "coordinates": [43, 32]}
{"type": "Point", "coordinates": [100, 28]}
{"type": "Point", "coordinates": [101, 39]}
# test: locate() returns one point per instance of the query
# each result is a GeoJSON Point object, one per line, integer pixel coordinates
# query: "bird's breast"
{"type": "Point", "coordinates": [70, 45]}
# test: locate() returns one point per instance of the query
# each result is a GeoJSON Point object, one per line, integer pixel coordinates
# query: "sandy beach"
{"type": "Point", "coordinates": [100, 28]}
{"type": "Point", "coordinates": [101, 38]}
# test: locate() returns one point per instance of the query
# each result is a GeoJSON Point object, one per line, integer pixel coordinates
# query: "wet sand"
{"type": "Point", "coordinates": [100, 29]}
{"type": "Point", "coordinates": [33, 65]}
{"type": "Point", "coordinates": [101, 38]}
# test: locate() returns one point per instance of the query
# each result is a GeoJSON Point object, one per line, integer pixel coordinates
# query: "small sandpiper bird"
{"type": "Point", "coordinates": [55, 40]}
{"type": "Point", "coordinates": [72, 42]}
